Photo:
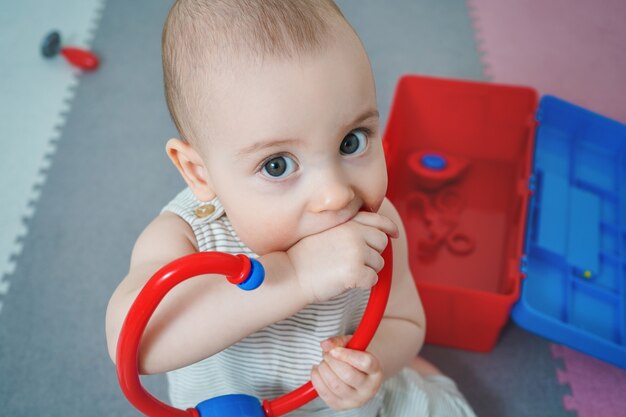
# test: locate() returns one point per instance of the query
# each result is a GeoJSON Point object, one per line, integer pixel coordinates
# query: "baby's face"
{"type": "Point", "coordinates": [295, 146]}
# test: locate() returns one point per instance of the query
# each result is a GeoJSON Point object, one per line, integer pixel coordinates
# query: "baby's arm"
{"type": "Point", "coordinates": [398, 339]}
{"type": "Point", "coordinates": [203, 315]}
{"type": "Point", "coordinates": [348, 378]}
{"type": "Point", "coordinates": [401, 333]}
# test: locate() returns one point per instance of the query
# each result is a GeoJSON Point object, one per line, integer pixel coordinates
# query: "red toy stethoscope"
{"type": "Point", "coordinates": [248, 274]}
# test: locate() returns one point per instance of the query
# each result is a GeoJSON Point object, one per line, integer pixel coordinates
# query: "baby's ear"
{"type": "Point", "coordinates": [191, 167]}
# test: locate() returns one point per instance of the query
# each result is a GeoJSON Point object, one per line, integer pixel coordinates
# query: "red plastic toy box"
{"type": "Point", "coordinates": [459, 158]}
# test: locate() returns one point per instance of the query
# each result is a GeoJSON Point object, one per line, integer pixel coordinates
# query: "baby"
{"type": "Point", "coordinates": [280, 148]}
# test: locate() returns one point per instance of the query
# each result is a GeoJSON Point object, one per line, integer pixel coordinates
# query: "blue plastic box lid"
{"type": "Point", "coordinates": [575, 287]}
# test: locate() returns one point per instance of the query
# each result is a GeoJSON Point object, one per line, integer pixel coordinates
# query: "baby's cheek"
{"type": "Point", "coordinates": [375, 194]}
{"type": "Point", "coordinates": [266, 236]}
{"type": "Point", "coordinates": [373, 181]}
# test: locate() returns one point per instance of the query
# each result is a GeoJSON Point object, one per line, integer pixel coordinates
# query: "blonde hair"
{"type": "Point", "coordinates": [201, 35]}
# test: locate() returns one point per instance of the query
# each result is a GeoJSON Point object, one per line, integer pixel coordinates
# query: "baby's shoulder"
{"type": "Point", "coordinates": [193, 211]}
{"type": "Point", "coordinates": [208, 225]}
{"type": "Point", "coordinates": [165, 235]}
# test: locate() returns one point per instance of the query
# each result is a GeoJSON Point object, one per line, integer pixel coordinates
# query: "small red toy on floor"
{"type": "Point", "coordinates": [80, 58]}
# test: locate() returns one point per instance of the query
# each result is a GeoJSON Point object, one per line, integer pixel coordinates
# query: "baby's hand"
{"type": "Point", "coordinates": [346, 378]}
{"type": "Point", "coordinates": [343, 257]}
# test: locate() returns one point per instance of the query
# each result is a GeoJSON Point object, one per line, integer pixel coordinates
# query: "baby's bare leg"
{"type": "Point", "coordinates": [424, 368]}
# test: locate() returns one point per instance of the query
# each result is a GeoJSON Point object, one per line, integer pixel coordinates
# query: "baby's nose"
{"type": "Point", "coordinates": [332, 194]}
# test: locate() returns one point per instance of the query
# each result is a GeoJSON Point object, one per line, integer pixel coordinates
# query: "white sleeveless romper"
{"type": "Point", "coordinates": [279, 358]}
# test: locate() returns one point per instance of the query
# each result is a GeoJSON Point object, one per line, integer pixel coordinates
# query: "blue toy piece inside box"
{"type": "Point", "coordinates": [575, 287]}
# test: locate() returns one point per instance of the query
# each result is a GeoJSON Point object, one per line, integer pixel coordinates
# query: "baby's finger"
{"type": "Point", "coordinates": [375, 239]}
{"type": "Point", "coordinates": [346, 372]}
{"type": "Point", "coordinates": [374, 260]}
{"type": "Point", "coordinates": [336, 341]}
{"type": "Point", "coordinates": [363, 361]}
{"type": "Point", "coordinates": [323, 390]}
{"type": "Point", "coordinates": [337, 386]}
{"type": "Point", "coordinates": [378, 221]}
{"type": "Point", "coordinates": [367, 278]}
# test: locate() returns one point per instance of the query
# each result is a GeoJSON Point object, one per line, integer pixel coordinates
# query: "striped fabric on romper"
{"type": "Point", "coordinates": [279, 358]}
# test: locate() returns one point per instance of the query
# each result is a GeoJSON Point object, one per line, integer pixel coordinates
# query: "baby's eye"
{"type": "Point", "coordinates": [354, 143]}
{"type": "Point", "coordinates": [278, 167]}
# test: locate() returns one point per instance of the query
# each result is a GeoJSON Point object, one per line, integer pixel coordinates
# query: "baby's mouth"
{"type": "Point", "coordinates": [366, 209]}
{"type": "Point", "coordinates": [329, 221]}
{"type": "Point", "coordinates": [322, 225]}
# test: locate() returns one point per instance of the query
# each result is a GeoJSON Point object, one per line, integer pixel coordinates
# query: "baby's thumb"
{"type": "Point", "coordinates": [333, 342]}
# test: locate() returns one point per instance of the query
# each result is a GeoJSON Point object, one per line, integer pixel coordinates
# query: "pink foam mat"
{"type": "Point", "coordinates": [574, 49]}
{"type": "Point", "coordinates": [598, 388]}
